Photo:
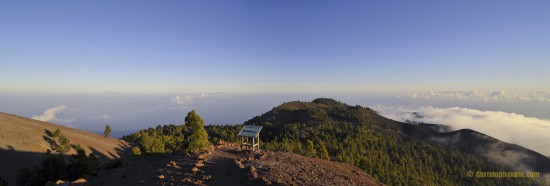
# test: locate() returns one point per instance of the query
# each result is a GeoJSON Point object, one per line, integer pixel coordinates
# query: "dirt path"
{"type": "Point", "coordinates": [217, 166]}
{"type": "Point", "coordinates": [219, 169]}
{"type": "Point", "coordinates": [223, 170]}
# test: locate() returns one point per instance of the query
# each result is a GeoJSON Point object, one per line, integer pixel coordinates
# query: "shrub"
{"type": "Point", "coordinates": [136, 151]}
{"type": "Point", "coordinates": [3, 182]}
{"type": "Point", "coordinates": [114, 163]}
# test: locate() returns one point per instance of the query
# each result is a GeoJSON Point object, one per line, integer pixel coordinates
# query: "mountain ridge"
{"type": "Point", "coordinates": [333, 120]}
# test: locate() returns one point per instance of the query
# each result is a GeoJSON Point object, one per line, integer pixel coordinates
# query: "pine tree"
{"type": "Point", "coordinates": [64, 146]}
{"type": "Point", "coordinates": [57, 133]}
{"type": "Point", "coordinates": [198, 138]}
{"type": "Point", "coordinates": [322, 151]}
{"type": "Point", "coordinates": [310, 149]}
{"type": "Point", "coordinates": [107, 132]}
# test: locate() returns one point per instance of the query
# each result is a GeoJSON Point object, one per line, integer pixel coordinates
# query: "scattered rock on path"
{"type": "Point", "coordinates": [199, 163]}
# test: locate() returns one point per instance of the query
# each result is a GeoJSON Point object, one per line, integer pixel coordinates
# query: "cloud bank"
{"type": "Point", "coordinates": [182, 100]}
{"type": "Point", "coordinates": [494, 96]}
{"type": "Point", "coordinates": [49, 115]}
{"type": "Point", "coordinates": [529, 132]}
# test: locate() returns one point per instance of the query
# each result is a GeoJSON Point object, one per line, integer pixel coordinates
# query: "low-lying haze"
{"type": "Point", "coordinates": [514, 118]}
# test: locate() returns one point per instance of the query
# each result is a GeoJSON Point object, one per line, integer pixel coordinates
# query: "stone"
{"type": "Point", "coordinates": [195, 169]}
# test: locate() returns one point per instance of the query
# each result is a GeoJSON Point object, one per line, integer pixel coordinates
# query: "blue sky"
{"type": "Point", "coordinates": [273, 46]}
{"type": "Point", "coordinates": [482, 65]}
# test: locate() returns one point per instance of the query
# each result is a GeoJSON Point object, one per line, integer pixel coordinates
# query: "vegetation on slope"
{"type": "Point", "coordinates": [171, 138]}
{"type": "Point", "coordinates": [326, 128]}
{"type": "Point", "coordinates": [54, 167]}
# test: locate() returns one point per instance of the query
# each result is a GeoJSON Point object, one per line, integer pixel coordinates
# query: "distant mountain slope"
{"type": "Point", "coordinates": [384, 147]}
{"type": "Point", "coordinates": [23, 141]}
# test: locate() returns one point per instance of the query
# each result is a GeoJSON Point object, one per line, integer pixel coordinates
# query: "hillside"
{"type": "Point", "coordinates": [227, 165]}
{"type": "Point", "coordinates": [24, 141]}
{"type": "Point", "coordinates": [393, 152]}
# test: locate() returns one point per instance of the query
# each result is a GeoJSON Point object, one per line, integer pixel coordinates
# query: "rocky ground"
{"type": "Point", "coordinates": [227, 165]}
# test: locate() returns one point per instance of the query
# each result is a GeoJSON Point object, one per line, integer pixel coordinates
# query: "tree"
{"type": "Point", "coordinates": [82, 165]}
{"type": "Point", "coordinates": [107, 132]}
{"type": "Point", "coordinates": [64, 146]}
{"type": "Point", "coordinates": [310, 149]}
{"type": "Point", "coordinates": [57, 133]}
{"type": "Point", "coordinates": [322, 151]}
{"type": "Point", "coordinates": [198, 138]}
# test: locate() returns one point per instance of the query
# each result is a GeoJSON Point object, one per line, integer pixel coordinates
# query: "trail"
{"type": "Point", "coordinates": [223, 170]}
{"type": "Point", "coordinates": [218, 169]}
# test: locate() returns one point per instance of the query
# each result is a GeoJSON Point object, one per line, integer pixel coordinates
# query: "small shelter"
{"type": "Point", "coordinates": [250, 137]}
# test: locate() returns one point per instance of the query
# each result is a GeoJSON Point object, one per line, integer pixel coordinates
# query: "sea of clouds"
{"type": "Point", "coordinates": [523, 119]}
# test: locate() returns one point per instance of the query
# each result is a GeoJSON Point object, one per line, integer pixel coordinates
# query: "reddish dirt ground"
{"type": "Point", "coordinates": [227, 165]}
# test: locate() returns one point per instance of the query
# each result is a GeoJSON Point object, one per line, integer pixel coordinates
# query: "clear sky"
{"type": "Point", "coordinates": [273, 46]}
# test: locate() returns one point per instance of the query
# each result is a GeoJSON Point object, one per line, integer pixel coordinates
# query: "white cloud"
{"type": "Point", "coordinates": [182, 100]}
{"type": "Point", "coordinates": [529, 132]}
{"type": "Point", "coordinates": [494, 96]}
{"type": "Point", "coordinates": [49, 115]}
{"type": "Point", "coordinates": [101, 117]}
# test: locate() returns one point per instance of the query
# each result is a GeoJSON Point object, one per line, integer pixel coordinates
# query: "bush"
{"type": "Point", "coordinates": [114, 163]}
{"type": "Point", "coordinates": [136, 151]}
{"type": "Point", "coordinates": [54, 168]}
{"type": "Point", "coordinates": [3, 182]}
{"type": "Point", "coordinates": [82, 165]}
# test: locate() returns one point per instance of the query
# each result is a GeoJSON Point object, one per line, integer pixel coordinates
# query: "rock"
{"type": "Point", "coordinates": [253, 172]}
{"type": "Point", "coordinates": [195, 169]}
{"type": "Point", "coordinates": [241, 166]}
{"type": "Point", "coordinates": [59, 182]}
{"type": "Point", "coordinates": [187, 180]}
{"type": "Point", "coordinates": [172, 163]}
{"type": "Point", "coordinates": [160, 177]}
{"type": "Point", "coordinates": [266, 181]}
{"type": "Point", "coordinates": [81, 180]}
{"type": "Point", "coordinates": [206, 177]}
{"type": "Point", "coordinates": [263, 156]}
{"type": "Point", "coordinates": [199, 163]}
{"type": "Point", "coordinates": [255, 175]}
